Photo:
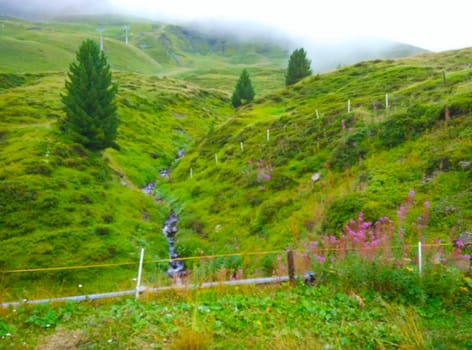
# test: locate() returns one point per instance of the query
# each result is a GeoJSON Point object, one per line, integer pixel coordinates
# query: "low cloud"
{"type": "Point", "coordinates": [40, 9]}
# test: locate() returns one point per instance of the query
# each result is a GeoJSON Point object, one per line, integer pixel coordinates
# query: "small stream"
{"type": "Point", "coordinates": [176, 267]}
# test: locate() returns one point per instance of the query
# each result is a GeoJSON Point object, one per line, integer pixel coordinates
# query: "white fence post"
{"type": "Point", "coordinates": [268, 135]}
{"type": "Point", "coordinates": [420, 259]}
{"type": "Point", "coordinates": [216, 158]}
{"type": "Point", "coordinates": [349, 106]}
{"type": "Point", "coordinates": [386, 101]}
{"type": "Point", "coordinates": [191, 173]}
{"type": "Point", "coordinates": [242, 146]}
{"type": "Point", "coordinates": [140, 270]}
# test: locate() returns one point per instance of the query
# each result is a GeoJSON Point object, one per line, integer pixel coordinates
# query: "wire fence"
{"type": "Point", "coordinates": [57, 281]}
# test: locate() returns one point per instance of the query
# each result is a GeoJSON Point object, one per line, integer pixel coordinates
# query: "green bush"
{"type": "Point", "coordinates": [408, 125]}
{"type": "Point", "coordinates": [396, 283]}
{"type": "Point", "coordinates": [460, 105]}
{"type": "Point", "coordinates": [350, 149]}
{"type": "Point", "coordinates": [270, 209]}
{"type": "Point", "coordinates": [340, 211]}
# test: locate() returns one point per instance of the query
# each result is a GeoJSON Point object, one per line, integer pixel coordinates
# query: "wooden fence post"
{"type": "Point", "coordinates": [291, 267]}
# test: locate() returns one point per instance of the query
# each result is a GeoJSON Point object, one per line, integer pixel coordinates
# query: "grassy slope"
{"type": "Point", "coordinates": [213, 62]}
{"type": "Point", "coordinates": [48, 47]}
{"type": "Point", "coordinates": [370, 166]}
{"type": "Point", "coordinates": [65, 206]}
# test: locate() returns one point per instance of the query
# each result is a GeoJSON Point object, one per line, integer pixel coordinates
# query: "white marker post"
{"type": "Point", "coordinates": [268, 135]}
{"type": "Point", "coordinates": [349, 106]}
{"type": "Point", "coordinates": [420, 259]}
{"type": "Point", "coordinates": [101, 30]}
{"type": "Point", "coordinates": [191, 173]}
{"type": "Point", "coordinates": [140, 270]}
{"type": "Point", "coordinates": [386, 101]}
{"type": "Point", "coordinates": [126, 29]}
{"type": "Point", "coordinates": [317, 115]}
{"type": "Point", "coordinates": [242, 146]}
{"type": "Point", "coordinates": [216, 158]}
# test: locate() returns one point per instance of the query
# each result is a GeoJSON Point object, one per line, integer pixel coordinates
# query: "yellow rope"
{"type": "Point", "coordinates": [135, 263]}
{"type": "Point", "coordinates": [202, 257]}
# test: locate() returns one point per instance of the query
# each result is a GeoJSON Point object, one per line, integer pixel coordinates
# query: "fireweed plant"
{"type": "Point", "coordinates": [382, 256]}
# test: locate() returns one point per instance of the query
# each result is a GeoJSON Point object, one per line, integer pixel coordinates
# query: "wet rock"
{"type": "Point", "coordinates": [164, 173]}
{"type": "Point", "coordinates": [178, 115]}
{"type": "Point", "coordinates": [464, 241]}
{"type": "Point", "coordinates": [180, 153]}
{"type": "Point", "coordinates": [309, 278]}
{"type": "Point", "coordinates": [465, 164]}
{"type": "Point", "coordinates": [149, 188]}
{"type": "Point", "coordinates": [315, 177]}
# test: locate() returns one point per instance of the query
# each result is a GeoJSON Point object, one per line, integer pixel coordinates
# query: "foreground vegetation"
{"type": "Point", "coordinates": [333, 315]}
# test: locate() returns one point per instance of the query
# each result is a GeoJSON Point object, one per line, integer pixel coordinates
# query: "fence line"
{"type": "Point", "coordinates": [260, 280]}
{"type": "Point", "coordinates": [76, 267]}
{"type": "Point", "coordinates": [256, 281]}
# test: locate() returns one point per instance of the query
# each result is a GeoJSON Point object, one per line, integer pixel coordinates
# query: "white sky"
{"type": "Point", "coordinates": [431, 24]}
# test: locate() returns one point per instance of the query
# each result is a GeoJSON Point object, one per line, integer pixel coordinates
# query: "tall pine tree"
{"type": "Point", "coordinates": [91, 117]}
{"type": "Point", "coordinates": [243, 92]}
{"type": "Point", "coordinates": [298, 67]}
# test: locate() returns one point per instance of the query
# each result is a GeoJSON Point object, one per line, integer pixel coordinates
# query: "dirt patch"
{"type": "Point", "coordinates": [62, 339]}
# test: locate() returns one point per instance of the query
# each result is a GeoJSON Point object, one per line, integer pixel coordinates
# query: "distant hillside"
{"type": "Point", "coordinates": [327, 57]}
{"type": "Point", "coordinates": [206, 57]}
{"type": "Point", "coordinates": [154, 48]}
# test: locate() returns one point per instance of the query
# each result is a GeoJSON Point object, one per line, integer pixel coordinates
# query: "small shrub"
{"type": "Point", "coordinates": [350, 149]}
{"type": "Point", "coordinates": [460, 105]}
{"type": "Point", "coordinates": [341, 210]}
{"type": "Point", "coordinates": [102, 230]}
{"type": "Point", "coordinates": [269, 210]}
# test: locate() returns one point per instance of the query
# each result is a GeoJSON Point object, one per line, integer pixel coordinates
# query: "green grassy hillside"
{"type": "Point", "coordinates": [154, 48]}
{"type": "Point", "coordinates": [64, 205]}
{"type": "Point", "coordinates": [367, 160]}
{"type": "Point", "coordinates": [182, 52]}
{"type": "Point", "coordinates": [290, 169]}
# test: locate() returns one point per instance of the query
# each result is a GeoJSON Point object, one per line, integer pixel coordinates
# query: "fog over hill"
{"type": "Point", "coordinates": [325, 55]}
{"type": "Point", "coordinates": [40, 9]}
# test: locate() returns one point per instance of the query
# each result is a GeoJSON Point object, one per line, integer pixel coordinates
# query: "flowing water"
{"type": "Point", "coordinates": [176, 267]}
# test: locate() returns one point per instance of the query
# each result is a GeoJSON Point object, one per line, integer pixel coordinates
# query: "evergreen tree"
{"type": "Point", "coordinates": [91, 117]}
{"type": "Point", "coordinates": [236, 99]}
{"type": "Point", "coordinates": [243, 90]}
{"type": "Point", "coordinates": [298, 67]}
